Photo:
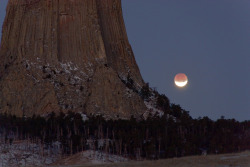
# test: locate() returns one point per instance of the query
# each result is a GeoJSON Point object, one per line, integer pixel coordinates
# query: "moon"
{"type": "Point", "coordinates": [180, 80]}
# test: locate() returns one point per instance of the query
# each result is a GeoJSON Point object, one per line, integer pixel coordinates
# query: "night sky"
{"type": "Point", "coordinates": [208, 40]}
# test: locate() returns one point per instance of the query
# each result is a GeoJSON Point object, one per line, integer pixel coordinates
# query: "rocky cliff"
{"type": "Point", "coordinates": [61, 55]}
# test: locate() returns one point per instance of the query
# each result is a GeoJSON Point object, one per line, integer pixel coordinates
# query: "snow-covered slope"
{"type": "Point", "coordinates": [24, 153]}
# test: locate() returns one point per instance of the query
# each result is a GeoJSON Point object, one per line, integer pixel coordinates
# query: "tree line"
{"type": "Point", "coordinates": [174, 134]}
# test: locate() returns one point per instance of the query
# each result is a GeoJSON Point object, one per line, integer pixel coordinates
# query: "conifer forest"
{"type": "Point", "coordinates": [173, 134]}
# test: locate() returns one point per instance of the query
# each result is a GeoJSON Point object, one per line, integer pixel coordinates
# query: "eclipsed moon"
{"type": "Point", "coordinates": [180, 80]}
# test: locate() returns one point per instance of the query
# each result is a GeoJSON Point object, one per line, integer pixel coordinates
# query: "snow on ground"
{"type": "Point", "coordinates": [91, 157]}
{"type": "Point", "coordinates": [24, 153]}
{"type": "Point", "coordinates": [233, 157]}
{"type": "Point", "coordinates": [100, 157]}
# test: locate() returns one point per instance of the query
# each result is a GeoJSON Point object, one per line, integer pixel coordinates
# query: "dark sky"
{"type": "Point", "coordinates": [208, 40]}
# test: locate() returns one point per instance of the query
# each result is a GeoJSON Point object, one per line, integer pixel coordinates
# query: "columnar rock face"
{"type": "Point", "coordinates": [61, 55]}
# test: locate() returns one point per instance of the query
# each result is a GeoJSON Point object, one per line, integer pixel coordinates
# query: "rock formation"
{"type": "Point", "coordinates": [61, 55]}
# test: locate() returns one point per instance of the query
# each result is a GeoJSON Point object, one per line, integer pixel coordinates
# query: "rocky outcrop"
{"type": "Point", "coordinates": [60, 55]}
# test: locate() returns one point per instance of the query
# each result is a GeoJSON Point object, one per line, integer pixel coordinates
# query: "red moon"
{"type": "Point", "coordinates": [180, 80]}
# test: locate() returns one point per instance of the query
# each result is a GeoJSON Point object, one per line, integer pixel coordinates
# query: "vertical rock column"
{"type": "Point", "coordinates": [61, 55]}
